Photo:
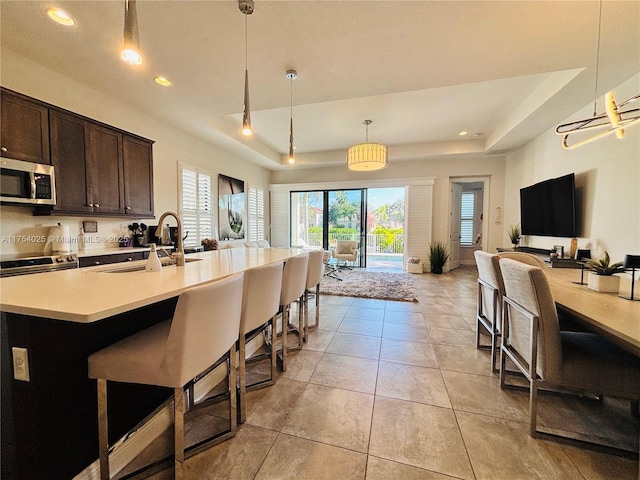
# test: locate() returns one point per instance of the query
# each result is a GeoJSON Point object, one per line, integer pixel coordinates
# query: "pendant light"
{"type": "Point", "coordinates": [613, 120]}
{"type": "Point", "coordinates": [366, 157]}
{"type": "Point", "coordinates": [246, 7]}
{"type": "Point", "coordinates": [291, 75]}
{"type": "Point", "coordinates": [130, 52]}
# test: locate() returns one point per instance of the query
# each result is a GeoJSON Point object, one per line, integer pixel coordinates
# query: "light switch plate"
{"type": "Point", "coordinates": [20, 363]}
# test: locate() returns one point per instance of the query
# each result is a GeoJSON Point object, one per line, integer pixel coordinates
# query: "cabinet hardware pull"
{"type": "Point", "coordinates": [97, 205]}
{"type": "Point", "coordinates": [90, 205]}
{"type": "Point", "coordinates": [128, 208]}
{"type": "Point", "coordinates": [4, 149]}
{"type": "Point", "coordinates": [96, 263]}
{"type": "Point", "coordinates": [129, 259]}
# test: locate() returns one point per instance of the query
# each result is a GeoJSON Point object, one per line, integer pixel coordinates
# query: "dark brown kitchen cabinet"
{"type": "Point", "coordinates": [111, 258]}
{"type": "Point", "coordinates": [68, 156]}
{"type": "Point", "coordinates": [138, 176]}
{"type": "Point", "coordinates": [25, 128]}
{"type": "Point", "coordinates": [104, 157]}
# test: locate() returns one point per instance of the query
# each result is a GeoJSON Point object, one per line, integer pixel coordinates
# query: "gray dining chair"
{"type": "Point", "coordinates": [552, 359]}
{"type": "Point", "coordinates": [489, 304]}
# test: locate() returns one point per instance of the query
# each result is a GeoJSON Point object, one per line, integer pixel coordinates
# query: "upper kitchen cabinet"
{"type": "Point", "coordinates": [104, 157]}
{"type": "Point", "coordinates": [138, 176]}
{"type": "Point", "coordinates": [25, 128]}
{"type": "Point", "coordinates": [99, 169]}
{"type": "Point", "coordinates": [68, 157]}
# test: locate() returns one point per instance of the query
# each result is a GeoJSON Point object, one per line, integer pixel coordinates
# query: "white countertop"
{"type": "Point", "coordinates": [88, 294]}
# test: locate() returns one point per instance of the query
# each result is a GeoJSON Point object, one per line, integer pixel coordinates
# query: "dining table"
{"type": "Point", "coordinates": [615, 318]}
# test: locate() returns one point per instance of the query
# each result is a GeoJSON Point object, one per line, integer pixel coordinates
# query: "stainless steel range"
{"type": "Point", "coordinates": [23, 264]}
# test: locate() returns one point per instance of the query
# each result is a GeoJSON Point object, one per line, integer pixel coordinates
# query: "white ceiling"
{"type": "Point", "coordinates": [421, 70]}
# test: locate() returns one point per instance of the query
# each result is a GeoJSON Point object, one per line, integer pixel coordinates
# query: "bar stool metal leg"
{"type": "Point", "coordinates": [178, 432]}
{"type": "Point", "coordinates": [103, 430]}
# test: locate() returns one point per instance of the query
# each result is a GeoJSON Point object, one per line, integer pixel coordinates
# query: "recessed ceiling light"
{"type": "Point", "coordinates": [61, 17]}
{"type": "Point", "coordinates": [478, 134]}
{"type": "Point", "coordinates": [164, 81]}
{"type": "Point", "coordinates": [463, 133]}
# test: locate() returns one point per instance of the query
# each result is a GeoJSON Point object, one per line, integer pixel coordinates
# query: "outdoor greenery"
{"type": "Point", "coordinates": [387, 236]}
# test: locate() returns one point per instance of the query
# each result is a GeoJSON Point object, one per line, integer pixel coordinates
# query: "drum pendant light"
{"type": "Point", "coordinates": [366, 157]}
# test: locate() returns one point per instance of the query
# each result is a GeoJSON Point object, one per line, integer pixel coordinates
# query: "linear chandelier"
{"type": "Point", "coordinates": [291, 75]}
{"type": "Point", "coordinates": [130, 52]}
{"type": "Point", "coordinates": [368, 156]}
{"type": "Point", "coordinates": [613, 120]}
{"type": "Point", "coordinates": [246, 7]}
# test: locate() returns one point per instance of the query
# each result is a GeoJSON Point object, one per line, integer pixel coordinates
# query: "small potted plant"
{"type": "Point", "coordinates": [209, 244]}
{"type": "Point", "coordinates": [439, 254]}
{"type": "Point", "coordinates": [601, 274]}
{"type": "Point", "coordinates": [514, 235]}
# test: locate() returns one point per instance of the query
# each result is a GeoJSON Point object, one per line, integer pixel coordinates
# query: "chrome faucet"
{"type": "Point", "coordinates": [179, 255]}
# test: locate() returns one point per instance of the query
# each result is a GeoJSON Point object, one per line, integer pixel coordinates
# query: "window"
{"type": "Point", "coordinates": [467, 212]}
{"type": "Point", "coordinates": [256, 214]}
{"type": "Point", "coordinates": [196, 204]}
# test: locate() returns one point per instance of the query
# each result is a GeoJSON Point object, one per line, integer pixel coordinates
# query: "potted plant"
{"type": "Point", "coordinates": [439, 254]}
{"type": "Point", "coordinates": [514, 235]}
{"type": "Point", "coordinates": [601, 274]}
{"type": "Point", "coordinates": [209, 244]}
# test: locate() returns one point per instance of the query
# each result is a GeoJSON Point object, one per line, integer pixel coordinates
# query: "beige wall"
{"type": "Point", "coordinates": [607, 182]}
{"type": "Point", "coordinates": [444, 170]}
{"type": "Point", "coordinates": [172, 145]}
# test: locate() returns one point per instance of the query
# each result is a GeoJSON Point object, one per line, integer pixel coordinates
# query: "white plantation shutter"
{"type": "Point", "coordinates": [256, 213]}
{"type": "Point", "coordinates": [418, 221]}
{"type": "Point", "coordinates": [467, 212]}
{"type": "Point", "coordinates": [196, 204]}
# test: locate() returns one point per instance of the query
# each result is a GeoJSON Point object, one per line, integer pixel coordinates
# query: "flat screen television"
{"type": "Point", "coordinates": [549, 208]}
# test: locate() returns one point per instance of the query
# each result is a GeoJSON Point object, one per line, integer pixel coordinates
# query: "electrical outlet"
{"type": "Point", "coordinates": [20, 363]}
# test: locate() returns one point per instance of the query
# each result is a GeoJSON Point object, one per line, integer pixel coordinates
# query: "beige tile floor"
{"type": "Point", "coordinates": [394, 390]}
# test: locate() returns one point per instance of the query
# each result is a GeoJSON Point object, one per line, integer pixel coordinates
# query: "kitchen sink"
{"type": "Point", "coordinates": [141, 267]}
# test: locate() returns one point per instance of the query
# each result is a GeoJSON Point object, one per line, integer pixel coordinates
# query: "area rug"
{"type": "Point", "coordinates": [380, 285]}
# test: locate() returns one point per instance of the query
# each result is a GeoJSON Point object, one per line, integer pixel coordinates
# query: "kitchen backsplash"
{"type": "Point", "coordinates": [21, 232]}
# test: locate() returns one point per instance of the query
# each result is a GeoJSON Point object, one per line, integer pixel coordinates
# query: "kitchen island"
{"type": "Point", "coordinates": [49, 424]}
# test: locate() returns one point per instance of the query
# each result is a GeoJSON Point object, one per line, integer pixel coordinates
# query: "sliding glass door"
{"type": "Point", "coordinates": [347, 220]}
{"type": "Point", "coordinates": [308, 219]}
{"type": "Point", "coordinates": [322, 218]}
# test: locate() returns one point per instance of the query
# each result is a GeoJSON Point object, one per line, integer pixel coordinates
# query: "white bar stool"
{"type": "Point", "coordinates": [294, 280]}
{"type": "Point", "coordinates": [260, 304]}
{"type": "Point", "coordinates": [315, 272]}
{"type": "Point", "coordinates": [171, 354]}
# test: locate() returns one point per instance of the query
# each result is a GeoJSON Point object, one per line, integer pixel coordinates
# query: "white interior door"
{"type": "Point", "coordinates": [454, 237]}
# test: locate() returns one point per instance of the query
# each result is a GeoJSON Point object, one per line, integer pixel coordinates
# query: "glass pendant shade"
{"type": "Point", "coordinates": [130, 52]}
{"type": "Point", "coordinates": [292, 159]}
{"type": "Point", "coordinates": [246, 111]}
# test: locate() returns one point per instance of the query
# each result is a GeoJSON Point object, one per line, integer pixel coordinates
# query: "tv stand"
{"type": "Point", "coordinates": [544, 253]}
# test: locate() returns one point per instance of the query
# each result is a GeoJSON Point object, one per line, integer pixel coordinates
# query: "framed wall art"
{"type": "Point", "coordinates": [231, 223]}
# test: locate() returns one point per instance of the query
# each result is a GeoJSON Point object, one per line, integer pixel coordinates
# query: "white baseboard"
{"type": "Point", "coordinates": [129, 447]}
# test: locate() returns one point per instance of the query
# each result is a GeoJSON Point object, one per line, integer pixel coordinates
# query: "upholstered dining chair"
{"type": "Point", "coordinates": [489, 306]}
{"type": "Point", "coordinates": [294, 280]}
{"type": "Point", "coordinates": [315, 272]}
{"type": "Point", "coordinates": [525, 257]}
{"type": "Point", "coordinates": [251, 244]}
{"type": "Point", "coordinates": [553, 359]}
{"type": "Point", "coordinates": [345, 252]}
{"type": "Point", "coordinates": [172, 354]}
{"type": "Point", "coordinates": [263, 244]}
{"type": "Point", "coordinates": [260, 304]}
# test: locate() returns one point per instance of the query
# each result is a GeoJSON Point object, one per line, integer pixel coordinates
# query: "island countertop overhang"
{"type": "Point", "coordinates": [90, 294]}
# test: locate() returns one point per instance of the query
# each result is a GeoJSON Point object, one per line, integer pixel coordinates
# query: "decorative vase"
{"type": "Point", "coordinates": [604, 283]}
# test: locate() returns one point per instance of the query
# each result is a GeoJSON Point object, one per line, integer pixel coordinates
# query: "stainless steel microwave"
{"type": "Point", "coordinates": [26, 183]}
